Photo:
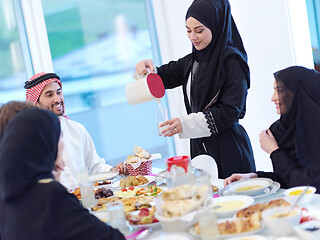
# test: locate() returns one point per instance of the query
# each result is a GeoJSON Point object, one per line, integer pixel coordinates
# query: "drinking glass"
{"type": "Point", "coordinates": [161, 116]}
{"type": "Point", "coordinates": [208, 224]}
{"type": "Point", "coordinates": [116, 216]}
{"type": "Point", "coordinates": [86, 189]}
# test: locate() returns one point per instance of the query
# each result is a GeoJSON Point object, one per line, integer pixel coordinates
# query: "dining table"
{"type": "Point", "coordinates": [312, 209]}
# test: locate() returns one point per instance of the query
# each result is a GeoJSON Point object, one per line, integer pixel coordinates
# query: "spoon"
{"type": "Point", "coordinates": [144, 234]}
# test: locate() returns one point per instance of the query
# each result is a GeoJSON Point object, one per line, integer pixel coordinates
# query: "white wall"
{"type": "Point", "coordinates": [275, 34]}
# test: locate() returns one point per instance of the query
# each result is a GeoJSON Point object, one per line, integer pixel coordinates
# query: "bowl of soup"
{"type": "Point", "coordinates": [280, 221]}
{"type": "Point", "coordinates": [227, 206]}
{"type": "Point", "coordinates": [252, 186]}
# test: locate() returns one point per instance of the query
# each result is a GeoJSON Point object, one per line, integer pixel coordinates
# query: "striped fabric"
{"type": "Point", "coordinates": [33, 94]}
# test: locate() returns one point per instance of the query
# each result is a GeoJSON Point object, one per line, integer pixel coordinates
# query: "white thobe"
{"type": "Point", "coordinates": [79, 152]}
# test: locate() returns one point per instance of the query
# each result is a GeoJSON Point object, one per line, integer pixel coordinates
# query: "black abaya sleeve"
{"type": "Point", "coordinates": [230, 105]}
{"type": "Point", "coordinates": [292, 173]}
{"type": "Point", "coordinates": [175, 73]}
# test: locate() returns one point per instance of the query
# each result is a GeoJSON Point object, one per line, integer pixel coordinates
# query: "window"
{"type": "Point", "coordinates": [95, 46]}
{"type": "Point", "coordinates": [14, 54]}
{"type": "Point", "coordinates": [313, 8]}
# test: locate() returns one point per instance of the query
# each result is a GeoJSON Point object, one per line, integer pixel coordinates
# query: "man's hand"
{"type": "Point", "coordinates": [120, 168]}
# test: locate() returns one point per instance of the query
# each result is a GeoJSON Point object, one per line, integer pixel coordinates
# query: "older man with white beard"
{"type": "Point", "coordinates": [45, 90]}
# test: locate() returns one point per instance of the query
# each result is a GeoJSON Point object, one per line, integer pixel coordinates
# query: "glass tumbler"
{"type": "Point", "coordinates": [161, 116]}
{"type": "Point", "coordinates": [116, 216]}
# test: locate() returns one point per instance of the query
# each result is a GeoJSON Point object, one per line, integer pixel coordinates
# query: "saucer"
{"type": "Point", "coordinates": [268, 191]}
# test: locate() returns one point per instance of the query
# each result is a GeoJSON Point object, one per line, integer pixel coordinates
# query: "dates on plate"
{"type": "Point", "coordinates": [103, 193]}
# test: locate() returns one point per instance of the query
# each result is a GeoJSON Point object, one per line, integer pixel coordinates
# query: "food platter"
{"type": "Point", "coordinates": [274, 187]}
{"type": "Point", "coordinates": [140, 226]}
{"type": "Point", "coordinates": [149, 191]}
{"type": "Point", "coordinates": [223, 236]}
{"type": "Point", "coordinates": [149, 178]}
{"type": "Point", "coordinates": [103, 176]}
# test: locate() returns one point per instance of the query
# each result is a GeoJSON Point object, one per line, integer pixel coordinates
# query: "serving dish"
{"type": "Point", "coordinates": [224, 236]}
{"type": "Point", "coordinates": [149, 178]}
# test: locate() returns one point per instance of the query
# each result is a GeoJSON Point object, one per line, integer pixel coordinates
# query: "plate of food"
{"type": "Point", "coordinates": [150, 191]}
{"type": "Point", "coordinates": [129, 204]}
{"type": "Point", "coordinates": [100, 192]}
{"type": "Point", "coordinates": [103, 176]}
{"type": "Point", "coordinates": [133, 181]}
{"type": "Point", "coordinates": [144, 218]}
{"type": "Point", "coordinates": [229, 205]}
{"type": "Point", "coordinates": [216, 185]}
{"type": "Point", "coordinates": [233, 227]}
{"type": "Point", "coordinates": [260, 207]}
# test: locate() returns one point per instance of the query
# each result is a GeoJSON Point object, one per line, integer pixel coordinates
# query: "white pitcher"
{"type": "Point", "coordinates": [146, 88]}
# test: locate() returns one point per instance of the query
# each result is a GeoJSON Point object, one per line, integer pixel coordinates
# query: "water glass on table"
{"type": "Point", "coordinates": [208, 224]}
{"type": "Point", "coordinates": [116, 216]}
{"type": "Point", "coordinates": [86, 189]}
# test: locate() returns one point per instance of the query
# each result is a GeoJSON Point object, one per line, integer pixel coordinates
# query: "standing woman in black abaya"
{"type": "Point", "coordinates": [215, 78]}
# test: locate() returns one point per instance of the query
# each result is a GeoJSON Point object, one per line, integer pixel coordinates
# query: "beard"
{"type": "Point", "coordinates": [52, 107]}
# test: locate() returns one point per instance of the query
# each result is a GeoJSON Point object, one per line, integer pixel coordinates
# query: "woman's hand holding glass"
{"type": "Point", "coordinates": [174, 126]}
{"type": "Point", "coordinates": [267, 141]}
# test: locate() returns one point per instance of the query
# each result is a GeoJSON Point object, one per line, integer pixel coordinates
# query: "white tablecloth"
{"type": "Point", "coordinates": [313, 207]}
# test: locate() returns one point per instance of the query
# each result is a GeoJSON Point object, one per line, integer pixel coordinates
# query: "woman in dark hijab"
{"type": "Point", "coordinates": [32, 205]}
{"type": "Point", "coordinates": [293, 141]}
{"type": "Point", "coordinates": [215, 78]}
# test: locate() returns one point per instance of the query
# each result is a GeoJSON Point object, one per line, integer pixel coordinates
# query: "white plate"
{"type": "Point", "coordinates": [150, 179]}
{"type": "Point", "coordinates": [268, 191]}
{"type": "Point", "coordinates": [103, 176]}
{"type": "Point", "coordinates": [250, 237]}
{"type": "Point", "coordinates": [263, 183]}
{"type": "Point", "coordinates": [172, 236]}
{"type": "Point", "coordinates": [193, 233]}
{"type": "Point", "coordinates": [247, 201]}
{"type": "Point", "coordinates": [218, 183]}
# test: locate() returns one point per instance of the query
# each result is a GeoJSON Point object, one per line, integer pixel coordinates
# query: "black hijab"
{"type": "Point", "coordinates": [297, 131]}
{"type": "Point", "coordinates": [28, 151]}
{"type": "Point", "coordinates": [226, 42]}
